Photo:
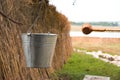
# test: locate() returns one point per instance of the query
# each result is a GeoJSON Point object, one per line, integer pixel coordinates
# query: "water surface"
{"type": "Point", "coordinates": [96, 34]}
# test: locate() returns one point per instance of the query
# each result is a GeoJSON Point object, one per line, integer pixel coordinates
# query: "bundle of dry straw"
{"type": "Point", "coordinates": [15, 18]}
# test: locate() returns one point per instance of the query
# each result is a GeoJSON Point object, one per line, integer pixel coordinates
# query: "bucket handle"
{"type": "Point", "coordinates": [36, 19]}
{"type": "Point", "coordinates": [29, 31]}
{"type": "Point", "coordinates": [30, 28]}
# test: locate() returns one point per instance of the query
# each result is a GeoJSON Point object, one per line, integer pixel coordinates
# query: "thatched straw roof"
{"type": "Point", "coordinates": [23, 14]}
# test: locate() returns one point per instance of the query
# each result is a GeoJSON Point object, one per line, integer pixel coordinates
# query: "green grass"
{"type": "Point", "coordinates": [80, 65]}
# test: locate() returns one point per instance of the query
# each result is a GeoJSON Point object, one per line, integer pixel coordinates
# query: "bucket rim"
{"type": "Point", "coordinates": [39, 34]}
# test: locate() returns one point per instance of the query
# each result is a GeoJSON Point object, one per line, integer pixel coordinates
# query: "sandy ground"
{"type": "Point", "coordinates": [109, 45]}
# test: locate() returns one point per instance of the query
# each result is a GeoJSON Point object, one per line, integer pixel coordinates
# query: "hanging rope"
{"type": "Point", "coordinates": [10, 19]}
{"type": "Point", "coordinates": [36, 19]}
{"type": "Point", "coordinates": [29, 29]}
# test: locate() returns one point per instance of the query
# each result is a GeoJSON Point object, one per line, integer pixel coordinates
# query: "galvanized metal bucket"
{"type": "Point", "coordinates": [39, 49]}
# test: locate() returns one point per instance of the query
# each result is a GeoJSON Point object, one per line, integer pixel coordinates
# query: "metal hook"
{"type": "Point", "coordinates": [74, 2]}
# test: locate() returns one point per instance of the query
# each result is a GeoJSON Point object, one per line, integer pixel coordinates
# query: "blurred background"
{"type": "Point", "coordinates": [99, 13]}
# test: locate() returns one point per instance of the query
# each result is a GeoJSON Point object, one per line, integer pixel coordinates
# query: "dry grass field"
{"type": "Point", "coordinates": [108, 45]}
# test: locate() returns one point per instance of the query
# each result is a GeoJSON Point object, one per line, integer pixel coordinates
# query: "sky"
{"type": "Point", "coordinates": [89, 10]}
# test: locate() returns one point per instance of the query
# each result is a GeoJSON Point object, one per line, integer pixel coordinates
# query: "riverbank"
{"type": "Point", "coordinates": [109, 45]}
{"type": "Point", "coordinates": [96, 41]}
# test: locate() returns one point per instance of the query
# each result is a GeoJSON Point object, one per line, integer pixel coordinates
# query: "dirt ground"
{"type": "Point", "coordinates": [108, 45]}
